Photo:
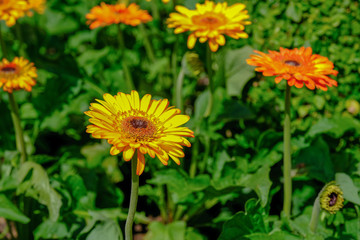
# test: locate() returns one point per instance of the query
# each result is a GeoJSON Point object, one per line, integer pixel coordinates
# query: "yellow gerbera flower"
{"type": "Point", "coordinates": [148, 126]}
{"type": "Point", "coordinates": [210, 22]}
{"type": "Point", "coordinates": [331, 198]}
{"type": "Point", "coordinates": [11, 10]}
{"type": "Point", "coordinates": [296, 66]}
{"type": "Point", "coordinates": [107, 14]}
{"type": "Point", "coordinates": [18, 74]}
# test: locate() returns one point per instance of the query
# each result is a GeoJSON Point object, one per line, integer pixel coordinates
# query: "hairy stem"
{"type": "Point", "coordinates": [133, 200]}
{"type": "Point", "coordinates": [287, 154]}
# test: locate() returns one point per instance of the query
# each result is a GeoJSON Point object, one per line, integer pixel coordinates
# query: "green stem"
{"type": "Point", "coordinates": [155, 10]}
{"type": "Point", "coordinates": [178, 89]}
{"type": "Point", "coordinates": [315, 215]}
{"type": "Point", "coordinates": [3, 46]}
{"type": "Point", "coordinates": [148, 47]}
{"type": "Point", "coordinates": [19, 36]}
{"type": "Point", "coordinates": [211, 84]}
{"type": "Point", "coordinates": [133, 200]}
{"type": "Point", "coordinates": [128, 78]}
{"type": "Point", "coordinates": [287, 154]}
{"type": "Point", "coordinates": [194, 158]}
{"type": "Point", "coordinates": [20, 143]}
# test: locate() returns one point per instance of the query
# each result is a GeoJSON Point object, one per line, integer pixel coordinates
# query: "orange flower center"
{"type": "Point", "coordinates": [138, 128]}
{"type": "Point", "coordinates": [209, 20]}
{"type": "Point", "coordinates": [292, 63]}
{"type": "Point", "coordinates": [333, 198]}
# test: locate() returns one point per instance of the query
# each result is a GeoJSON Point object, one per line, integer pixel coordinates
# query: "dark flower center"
{"type": "Point", "coordinates": [8, 69]}
{"type": "Point", "coordinates": [209, 20]}
{"type": "Point", "coordinates": [138, 123]}
{"type": "Point", "coordinates": [292, 63]}
{"type": "Point", "coordinates": [333, 198]}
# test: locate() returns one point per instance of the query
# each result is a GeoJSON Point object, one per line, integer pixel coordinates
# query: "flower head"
{"type": "Point", "coordinates": [210, 22]}
{"type": "Point", "coordinates": [11, 10]}
{"type": "Point", "coordinates": [331, 198]}
{"type": "Point", "coordinates": [107, 14]}
{"type": "Point", "coordinates": [297, 66]}
{"type": "Point", "coordinates": [146, 126]}
{"type": "Point", "coordinates": [18, 74]}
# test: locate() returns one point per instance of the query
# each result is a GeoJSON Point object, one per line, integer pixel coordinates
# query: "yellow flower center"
{"type": "Point", "coordinates": [292, 63]}
{"type": "Point", "coordinates": [138, 128]}
{"type": "Point", "coordinates": [333, 199]}
{"type": "Point", "coordinates": [210, 20]}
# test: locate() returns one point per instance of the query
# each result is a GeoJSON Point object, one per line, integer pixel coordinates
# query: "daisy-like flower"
{"type": "Point", "coordinates": [210, 22]}
{"type": "Point", "coordinates": [331, 198]}
{"type": "Point", "coordinates": [144, 126]}
{"type": "Point", "coordinates": [36, 5]}
{"type": "Point", "coordinates": [297, 66]}
{"type": "Point", "coordinates": [18, 74]}
{"type": "Point", "coordinates": [107, 14]}
{"type": "Point", "coordinates": [11, 10]}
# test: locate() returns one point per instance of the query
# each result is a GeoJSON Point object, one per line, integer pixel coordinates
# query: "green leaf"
{"type": "Point", "coordinates": [180, 184]}
{"type": "Point", "coordinates": [171, 231]}
{"type": "Point", "coordinates": [51, 230]}
{"type": "Point", "coordinates": [279, 235]}
{"type": "Point", "coordinates": [244, 223]}
{"type": "Point", "coordinates": [259, 182]}
{"type": "Point", "coordinates": [34, 182]}
{"type": "Point", "coordinates": [9, 211]}
{"type": "Point", "coordinates": [108, 230]}
{"type": "Point", "coordinates": [237, 71]}
{"type": "Point", "coordinates": [336, 127]}
{"type": "Point", "coordinates": [351, 192]}
{"type": "Point", "coordinates": [294, 11]}
{"type": "Point", "coordinates": [316, 160]}
{"type": "Point", "coordinates": [57, 23]}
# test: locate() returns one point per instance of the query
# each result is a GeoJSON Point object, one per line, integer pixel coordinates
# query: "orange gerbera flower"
{"type": "Point", "coordinates": [210, 22]}
{"type": "Point", "coordinates": [11, 10]}
{"type": "Point", "coordinates": [297, 66]}
{"type": "Point", "coordinates": [19, 73]}
{"type": "Point", "coordinates": [146, 126]}
{"type": "Point", "coordinates": [107, 14]}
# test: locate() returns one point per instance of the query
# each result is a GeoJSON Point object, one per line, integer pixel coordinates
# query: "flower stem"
{"type": "Point", "coordinates": [20, 143]}
{"type": "Point", "coordinates": [19, 35]}
{"type": "Point", "coordinates": [3, 46]}
{"type": "Point", "coordinates": [128, 78]}
{"type": "Point", "coordinates": [148, 47]}
{"type": "Point", "coordinates": [287, 154]}
{"type": "Point", "coordinates": [210, 76]}
{"type": "Point", "coordinates": [178, 89]}
{"type": "Point", "coordinates": [315, 215]}
{"type": "Point", "coordinates": [155, 10]}
{"type": "Point", "coordinates": [194, 158]}
{"type": "Point", "coordinates": [133, 200]}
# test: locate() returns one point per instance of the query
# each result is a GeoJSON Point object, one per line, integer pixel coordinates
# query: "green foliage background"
{"type": "Point", "coordinates": [235, 191]}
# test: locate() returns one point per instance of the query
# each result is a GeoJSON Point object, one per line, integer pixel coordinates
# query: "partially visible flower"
{"type": "Point", "coordinates": [331, 198]}
{"type": "Point", "coordinates": [192, 64]}
{"type": "Point", "coordinates": [210, 22]}
{"type": "Point", "coordinates": [36, 5]}
{"type": "Point", "coordinates": [144, 126]}
{"type": "Point", "coordinates": [18, 74]}
{"type": "Point", "coordinates": [297, 66]}
{"type": "Point", "coordinates": [11, 10]}
{"type": "Point", "coordinates": [352, 106]}
{"type": "Point", "coordinates": [107, 14]}
{"type": "Point", "coordinates": [164, 1]}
